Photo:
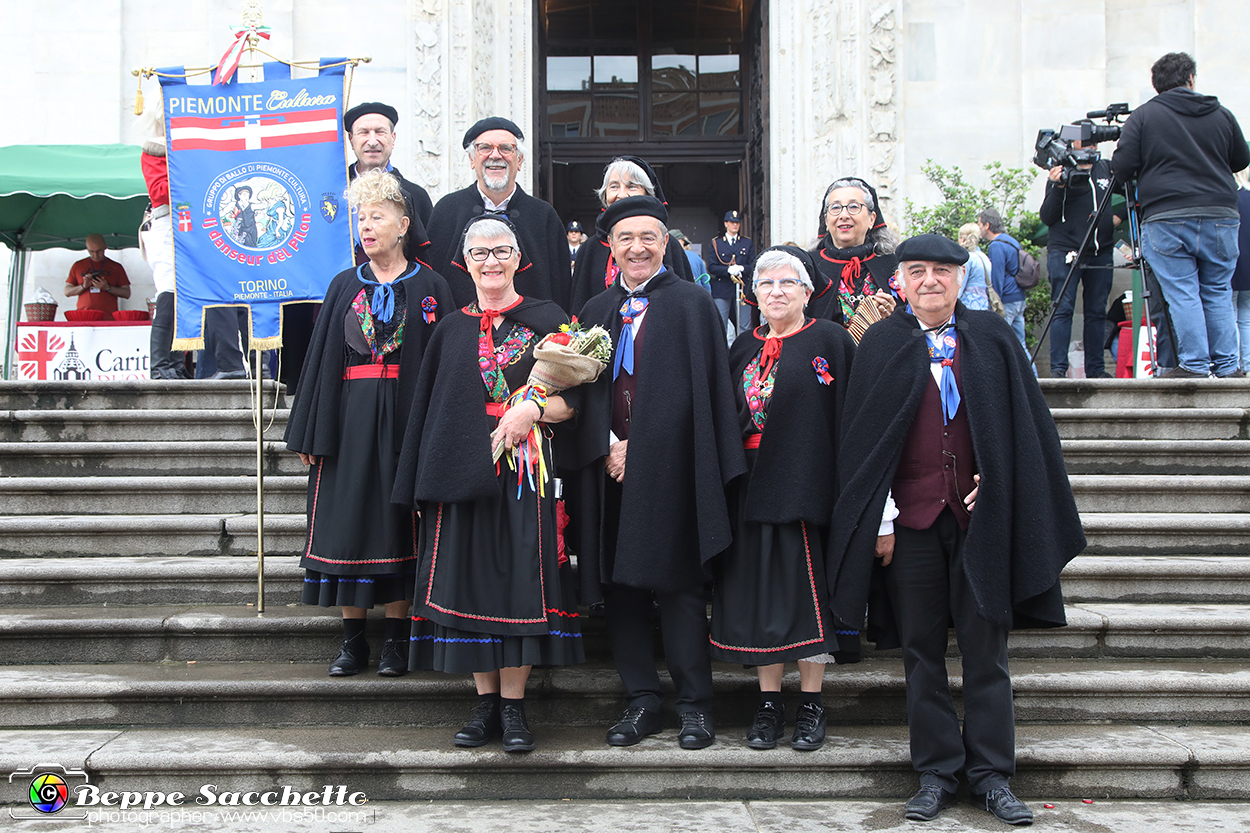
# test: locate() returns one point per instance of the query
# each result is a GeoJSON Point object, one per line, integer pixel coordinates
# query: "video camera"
{"type": "Point", "coordinates": [1056, 147]}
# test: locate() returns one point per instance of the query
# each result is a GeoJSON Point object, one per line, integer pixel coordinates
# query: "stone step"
{"type": "Point", "coordinates": [156, 425]}
{"type": "Point", "coordinates": [146, 580]}
{"type": "Point", "coordinates": [59, 536]}
{"type": "Point", "coordinates": [1160, 533]}
{"type": "Point", "coordinates": [1222, 579]}
{"type": "Point", "coordinates": [1146, 760]}
{"type": "Point", "coordinates": [1193, 493]}
{"type": "Point", "coordinates": [173, 495]}
{"type": "Point", "coordinates": [79, 459]}
{"type": "Point", "coordinates": [301, 694]}
{"type": "Point", "coordinates": [299, 633]}
{"type": "Point", "coordinates": [148, 394]}
{"type": "Point", "coordinates": [226, 580]}
{"type": "Point", "coordinates": [1154, 456]}
{"type": "Point", "coordinates": [1146, 393]}
{"type": "Point", "coordinates": [1152, 423]}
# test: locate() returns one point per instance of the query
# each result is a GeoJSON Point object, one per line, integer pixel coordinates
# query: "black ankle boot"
{"type": "Point", "coordinates": [354, 654]}
{"type": "Point", "coordinates": [483, 724]}
{"type": "Point", "coordinates": [516, 730]}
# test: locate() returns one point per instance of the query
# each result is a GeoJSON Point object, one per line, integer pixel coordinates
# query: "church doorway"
{"type": "Point", "coordinates": [680, 83]}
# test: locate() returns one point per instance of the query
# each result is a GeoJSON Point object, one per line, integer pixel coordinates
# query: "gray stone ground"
{"type": "Point", "coordinates": [1163, 816]}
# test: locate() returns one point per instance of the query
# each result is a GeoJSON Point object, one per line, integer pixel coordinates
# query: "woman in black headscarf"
{"type": "Point", "coordinates": [771, 603]}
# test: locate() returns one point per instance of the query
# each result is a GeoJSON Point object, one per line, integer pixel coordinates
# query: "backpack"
{"type": "Point", "coordinates": [1029, 272]}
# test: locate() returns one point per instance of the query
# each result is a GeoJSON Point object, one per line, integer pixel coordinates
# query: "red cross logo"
{"type": "Point", "coordinates": [35, 351]}
{"type": "Point", "coordinates": [184, 220]}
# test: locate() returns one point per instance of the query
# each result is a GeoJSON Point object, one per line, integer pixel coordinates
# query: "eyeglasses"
{"type": "Point", "coordinates": [500, 252]}
{"type": "Point", "coordinates": [766, 286]}
{"type": "Point", "coordinates": [486, 149]}
{"type": "Point", "coordinates": [852, 208]}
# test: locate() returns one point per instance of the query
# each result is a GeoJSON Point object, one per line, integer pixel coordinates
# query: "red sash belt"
{"type": "Point", "coordinates": [372, 371]}
{"type": "Point", "coordinates": [495, 409]}
{"type": "Point", "coordinates": [752, 441]}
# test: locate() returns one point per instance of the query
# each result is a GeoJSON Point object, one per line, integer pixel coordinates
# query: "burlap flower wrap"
{"type": "Point", "coordinates": [558, 367]}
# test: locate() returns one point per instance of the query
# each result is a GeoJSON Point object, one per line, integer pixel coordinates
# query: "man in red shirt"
{"type": "Point", "coordinates": [97, 281]}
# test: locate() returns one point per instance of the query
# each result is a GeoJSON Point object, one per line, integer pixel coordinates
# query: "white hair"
{"type": "Point", "coordinates": [630, 172]}
{"type": "Point", "coordinates": [769, 261]}
{"type": "Point", "coordinates": [488, 230]}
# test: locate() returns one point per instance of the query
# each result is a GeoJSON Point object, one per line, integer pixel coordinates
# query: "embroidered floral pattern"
{"type": "Point", "coordinates": [369, 328]}
{"type": "Point", "coordinates": [491, 360]}
{"type": "Point", "coordinates": [758, 390]}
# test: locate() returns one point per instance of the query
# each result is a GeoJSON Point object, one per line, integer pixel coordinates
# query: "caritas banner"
{"type": "Point", "coordinates": [257, 175]}
{"type": "Point", "coordinates": [66, 351]}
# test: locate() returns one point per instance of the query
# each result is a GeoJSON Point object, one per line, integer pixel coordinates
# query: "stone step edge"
{"type": "Point", "coordinates": [1059, 760]}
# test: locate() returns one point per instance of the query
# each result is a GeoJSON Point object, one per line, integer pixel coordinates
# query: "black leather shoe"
{"type": "Point", "coordinates": [635, 723]}
{"type": "Point", "coordinates": [482, 726]}
{"type": "Point", "coordinates": [516, 731]}
{"type": "Point", "coordinates": [768, 726]}
{"type": "Point", "coordinates": [1005, 806]}
{"type": "Point", "coordinates": [352, 658]}
{"type": "Point", "coordinates": [393, 661]}
{"type": "Point", "coordinates": [696, 731]}
{"type": "Point", "coordinates": [928, 802]}
{"type": "Point", "coordinates": [809, 728]}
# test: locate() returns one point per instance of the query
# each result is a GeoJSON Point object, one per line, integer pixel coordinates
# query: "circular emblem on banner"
{"type": "Point", "coordinates": [258, 205]}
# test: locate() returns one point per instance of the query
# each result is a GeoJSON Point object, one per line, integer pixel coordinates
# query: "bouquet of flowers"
{"type": "Point", "coordinates": [562, 360]}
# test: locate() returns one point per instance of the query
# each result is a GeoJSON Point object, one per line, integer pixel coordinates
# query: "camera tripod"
{"type": "Point", "coordinates": [1134, 230]}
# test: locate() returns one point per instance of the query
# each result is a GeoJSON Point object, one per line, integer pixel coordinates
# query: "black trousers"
{"type": "Point", "coordinates": [683, 628]}
{"type": "Point", "coordinates": [929, 588]}
{"type": "Point", "coordinates": [165, 363]}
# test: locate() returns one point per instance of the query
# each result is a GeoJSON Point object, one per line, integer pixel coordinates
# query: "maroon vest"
{"type": "Point", "coordinates": [937, 464]}
{"type": "Point", "coordinates": [625, 390]}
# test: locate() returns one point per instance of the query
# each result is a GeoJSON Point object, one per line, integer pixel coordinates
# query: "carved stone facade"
{"type": "Point", "coordinates": [462, 70]}
{"type": "Point", "coordinates": [833, 101]}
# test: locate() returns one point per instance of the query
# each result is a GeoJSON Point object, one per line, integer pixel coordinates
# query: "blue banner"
{"type": "Point", "coordinates": [257, 175]}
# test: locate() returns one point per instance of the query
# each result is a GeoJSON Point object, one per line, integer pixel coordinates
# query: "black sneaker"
{"type": "Point", "coordinates": [1005, 806]}
{"type": "Point", "coordinates": [483, 725]}
{"type": "Point", "coordinates": [768, 726]}
{"type": "Point", "coordinates": [393, 661]}
{"type": "Point", "coordinates": [809, 728]}
{"type": "Point", "coordinates": [352, 659]}
{"type": "Point", "coordinates": [696, 730]}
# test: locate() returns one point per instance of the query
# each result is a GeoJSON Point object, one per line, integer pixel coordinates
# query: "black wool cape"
{"type": "Point", "coordinates": [825, 303]}
{"type": "Point", "coordinates": [540, 234]}
{"type": "Point", "coordinates": [591, 266]}
{"type": "Point", "coordinates": [445, 457]}
{"type": "Point", "coordinates": [685, 445]}
{"type": "Point", "coordinates": [1025, 525]}
{"type": "Point", "coordinates": [795, 473]}
{"type": "Point", "coordinates": [313, 426]}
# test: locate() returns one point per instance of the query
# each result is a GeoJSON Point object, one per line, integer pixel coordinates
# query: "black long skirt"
{"type": "Point", "coordinates": [361, 548]}
{"type": "Point", "coordinates": [490, 591]}
{"type": "Point", "coordinates": [771, 602]}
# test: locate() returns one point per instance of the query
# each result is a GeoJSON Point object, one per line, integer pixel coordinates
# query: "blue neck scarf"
{"type": "Point", "coordinates": [630, 309]}
{"type": "Point", "coordinates": [383, 307]}
{"type": "Point", "coordinates": [944, 352]}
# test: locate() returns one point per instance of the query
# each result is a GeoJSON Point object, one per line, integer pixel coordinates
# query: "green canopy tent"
{"type": "Point", "coordinates": [53, 196]}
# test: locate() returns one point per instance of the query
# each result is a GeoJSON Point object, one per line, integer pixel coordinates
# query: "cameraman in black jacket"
{"type": "Point", "coordinates": [1072, 198]}
{"type": "Point", "coordinates": [1182, 148]}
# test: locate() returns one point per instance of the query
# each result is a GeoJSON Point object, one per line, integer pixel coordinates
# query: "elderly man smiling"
{"type": "Point", "coordinates": [944, 416]}
{"type": "Point", "coordinates": [667, 397]}
{"type": "Point", "coordinates": [496, 151]}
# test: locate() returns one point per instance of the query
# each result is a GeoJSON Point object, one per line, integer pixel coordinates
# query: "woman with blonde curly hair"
{"type": "Point", "coordinates": [347, 423]}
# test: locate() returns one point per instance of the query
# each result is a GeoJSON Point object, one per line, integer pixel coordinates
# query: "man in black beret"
{"type": "Point", "coordinates": [645, 526]}
{"type": "Point", "coordinates": [371, 131]}
{"type": "Point", "coordinates": [496, 152]}
{"type": "Point", "coordinates": [942, 400]}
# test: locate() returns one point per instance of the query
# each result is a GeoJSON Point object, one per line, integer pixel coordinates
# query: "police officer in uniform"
{"type": "Point", "coordinates": [729, 257]}
{"type": "Point", "coordinates": [576, 238]}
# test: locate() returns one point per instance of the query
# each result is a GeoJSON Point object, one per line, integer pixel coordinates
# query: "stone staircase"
{"type": "Point", "coordinates": [132, 647]}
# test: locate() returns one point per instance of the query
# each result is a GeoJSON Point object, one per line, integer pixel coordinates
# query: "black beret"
{"type": "Point", "coordinates": [349, 118]}
{"type": "Point", "coordinates": [803, 256]}
{"type": "Point", "coordinates": [493, 123]}
{"type": "Point", "coordinates": [639, 206]}
{"type": "Point", "coordinates": [931, 247]}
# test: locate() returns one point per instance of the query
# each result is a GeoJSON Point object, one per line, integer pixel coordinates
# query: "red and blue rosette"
{"type": "Point", "coordinates": [822, 370]}
{"type": "Point", "coordinates": [428, 307]}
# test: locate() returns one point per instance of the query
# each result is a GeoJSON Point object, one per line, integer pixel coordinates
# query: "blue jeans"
{"type": "Point", "coordinates": [1242, 298]}
{"type": "Point", "coordinates": [1095, 277]}
{"type": "Point", "coordinates": [1014, 313]}
{"type": "Point", "coordinates": [1193, 259]}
